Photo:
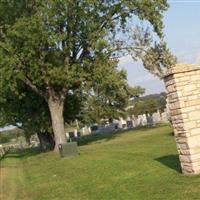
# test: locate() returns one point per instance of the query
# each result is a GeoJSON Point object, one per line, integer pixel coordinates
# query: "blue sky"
{"type": "Point", "coordinates": [182, 34]}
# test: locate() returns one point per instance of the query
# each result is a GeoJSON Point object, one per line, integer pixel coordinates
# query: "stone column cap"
{"type": "Point", "coordinates": [181, 68]}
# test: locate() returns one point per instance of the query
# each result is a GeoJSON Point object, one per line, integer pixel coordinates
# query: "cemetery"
{"type": "Point", "coordinates": [99, 100]}
{"type": "Point", "coordinates": [130, 165]}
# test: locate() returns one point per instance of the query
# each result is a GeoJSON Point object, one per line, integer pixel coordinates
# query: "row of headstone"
{"type": "Point", "coordinates": [143, 120]}
{"type": "Point", "coordinates": [94, 129]}
{"type": "Point", "coordinates": [72, 134]}
{"type": "Point", "coordinates": [130, 122]}
{"type": "Point", "coordinates": [108, 128]}
{"type": "Point", "coordinates": [161, 117]}
{"type": "Point", "coordinates": [86, 130]}
{"type": "Point", "coordinates": [133, 122]}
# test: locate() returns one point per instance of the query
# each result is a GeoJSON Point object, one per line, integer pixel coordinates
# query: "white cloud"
{"type": "Point", "coordinates": [125, 60]}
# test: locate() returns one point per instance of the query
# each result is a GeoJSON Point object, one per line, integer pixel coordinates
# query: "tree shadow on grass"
{"type": "Point", "coordinates": [171, 133]}
{"type": "Point", "coordinates": [23, 153]}
{"type": "Point", "coordinates": [97, 138]}
{"type": "Point", "coordinates": [171, 161]}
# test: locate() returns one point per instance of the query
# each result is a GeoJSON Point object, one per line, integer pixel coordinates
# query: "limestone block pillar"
{"type": "Point", "coordinates": [183, 92]}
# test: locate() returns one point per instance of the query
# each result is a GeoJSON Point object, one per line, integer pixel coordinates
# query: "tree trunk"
{"type": "Point", "coordinates": [46, 141]}
{"type": "Point", "coordinates": [150, 121]}
{"type": "Point", "coordinates": [56, 106]}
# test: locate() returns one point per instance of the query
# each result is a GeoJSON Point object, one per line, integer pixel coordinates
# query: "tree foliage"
{"type": "Point", "coordinates": [52, 50]}
{"type": "Point", "coordinates": [158, 59]}
{"type": "Point", "coordinates": [148, 106]}
{"type": "Point", "coordinates": [108, 92]}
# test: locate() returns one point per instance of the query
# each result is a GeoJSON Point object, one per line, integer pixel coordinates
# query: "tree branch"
{"type": "Point", "coordinates": [28, 82]}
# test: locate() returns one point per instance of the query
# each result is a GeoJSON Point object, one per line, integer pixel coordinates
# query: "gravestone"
{"type": "Point", "coordinates": [156, 116]}
{"type": "Point", "coordinates": [183, 92]}
{"type": "Point", "coordinates": [129, 124]}
{"type": "Point", "coordinates": [68, 149]}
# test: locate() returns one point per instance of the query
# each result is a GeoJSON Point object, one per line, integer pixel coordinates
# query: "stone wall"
{"type": "Point", "coordinates": [183, 87]}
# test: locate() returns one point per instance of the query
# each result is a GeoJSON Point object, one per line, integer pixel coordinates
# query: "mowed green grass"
{"type": "Point", "coordinates": [139, 164]}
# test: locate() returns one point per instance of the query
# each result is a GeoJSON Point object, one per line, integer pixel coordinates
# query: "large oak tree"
{"type": "Point", "coordinates": [52, 45]}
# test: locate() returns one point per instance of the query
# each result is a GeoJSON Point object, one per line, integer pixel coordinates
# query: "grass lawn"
{"type": "Point", "coordinates": [139, 164]}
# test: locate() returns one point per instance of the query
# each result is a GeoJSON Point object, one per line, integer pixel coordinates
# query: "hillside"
{"type": "Point", "coordinates": [138, 164]}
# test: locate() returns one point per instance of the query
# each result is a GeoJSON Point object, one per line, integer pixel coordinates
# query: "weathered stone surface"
{"type": "Point", "coordinates": [189, 88]}
{"type": "Point", "coordinates": [193, 97]}
{"type": "Point", "coordinates": [184, 152]}
{"type": "Point", "coordinates": [194, 115]}
{"type": "Point", "coordinates": [171, 88]}
{"type": "Point", "coordinates": [183, 92]}
{"type": "Point", "coordinates": [175, 112]}
{"type": "Point", "coordinates": [188, 109]}
{"type": "Point", "coordinates": [181, 139]}
{"type": "Point", "coordinates": [195, 77]}
{"type": "Point", "coordinates": [190, 124]}
{"type": "Point", "coordinates": [194, 102]}
{"type": "Point", "coordinates": [183, 146]}
{"type": "Point", "coordinates": [195, 157]}
{"type": "Point", "coordinates": [185, 158]}
{"type": "Point", "coordinates": [195, 131]}
{"type": "Point", "coordinates": [193, 141]}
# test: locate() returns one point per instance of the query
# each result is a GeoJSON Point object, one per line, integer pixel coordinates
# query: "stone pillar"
{"type": "Point", "coordinates": [183, 92]}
